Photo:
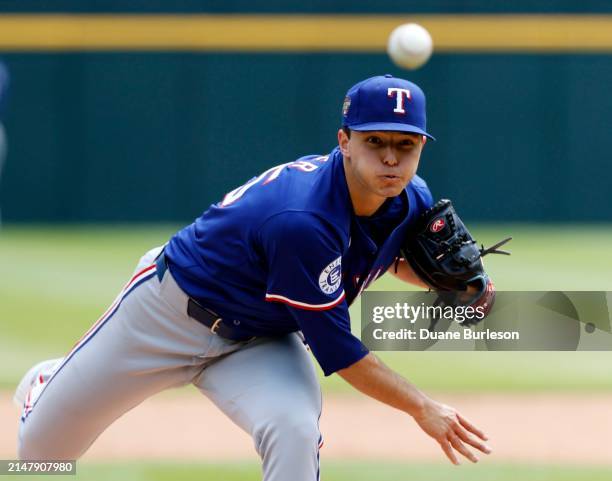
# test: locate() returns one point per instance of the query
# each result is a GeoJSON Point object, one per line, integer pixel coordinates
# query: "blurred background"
{"type": "Point", "coordinates": [124, 120]}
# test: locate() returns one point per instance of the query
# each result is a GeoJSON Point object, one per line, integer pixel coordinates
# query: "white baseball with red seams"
{"type": "Point", "coordinates": [410, 45]}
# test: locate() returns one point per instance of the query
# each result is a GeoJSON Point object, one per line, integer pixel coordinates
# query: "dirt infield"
{"type": "Point", "coordinates": [543, 428]}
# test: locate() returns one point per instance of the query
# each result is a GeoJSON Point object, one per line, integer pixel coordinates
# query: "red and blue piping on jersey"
{"type": "Point", "coordinates": [305, 305]}
{"type": "Point", "coordinates": [140, 277]}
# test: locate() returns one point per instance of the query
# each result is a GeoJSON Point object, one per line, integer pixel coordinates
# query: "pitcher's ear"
{"type": "Point", "coordinates": [343, 140]}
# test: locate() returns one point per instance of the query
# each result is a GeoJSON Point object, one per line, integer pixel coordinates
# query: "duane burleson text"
{"type": "Point", "coordinates": [465, 334]}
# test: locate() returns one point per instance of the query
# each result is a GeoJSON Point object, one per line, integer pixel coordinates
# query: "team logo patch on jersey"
{"type": "Point", "coordinates": [331, 277]}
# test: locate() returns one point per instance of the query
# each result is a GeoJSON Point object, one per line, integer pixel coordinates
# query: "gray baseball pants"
{"type": "Point", "coordinates": [146, 343]}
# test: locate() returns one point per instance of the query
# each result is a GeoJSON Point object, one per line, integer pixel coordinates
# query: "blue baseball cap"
{"type": "Point", "coordinates": [385, 103]}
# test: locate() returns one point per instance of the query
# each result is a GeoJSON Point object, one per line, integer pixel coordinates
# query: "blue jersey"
{"type": "Point", "coordinates": [285, 252]}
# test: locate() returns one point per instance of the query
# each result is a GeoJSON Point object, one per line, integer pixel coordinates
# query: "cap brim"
{"type": "Point", "coordinates": [395, 127]}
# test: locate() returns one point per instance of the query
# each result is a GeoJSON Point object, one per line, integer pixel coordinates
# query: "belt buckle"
{"type": "Point", "coordinates": [215, 327]}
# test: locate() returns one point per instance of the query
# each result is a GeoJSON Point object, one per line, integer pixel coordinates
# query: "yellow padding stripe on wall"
{"type": "Point", "coordinates": [301, 33]}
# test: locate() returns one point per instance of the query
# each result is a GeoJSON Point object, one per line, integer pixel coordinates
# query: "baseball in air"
{"type": "Point", "coordinates": [410, 46]}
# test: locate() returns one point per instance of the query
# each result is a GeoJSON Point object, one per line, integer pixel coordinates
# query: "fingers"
{"type": "Point", "coordinates": [465, 437]}
{"type": "Point", "coordinates": [459, 446]}
{"type": "Point", "coordinates": [453, 432]}
{"type": "Point", "coordinates": [450, 454]}
{"type": "Point", "coordinates": [471, 428]}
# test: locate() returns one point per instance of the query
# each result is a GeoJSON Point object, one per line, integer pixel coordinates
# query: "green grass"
{"type": "Point", "coordinates": [470, 372]}
{"type": "Point", "coordinates": [56, 281]}
{"type": "Point", "coordinates": [335, 471]}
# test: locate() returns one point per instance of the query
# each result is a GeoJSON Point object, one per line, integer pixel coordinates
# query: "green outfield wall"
{"type": "Point", "coordinates": [132, 133]}
{"type": "Point", "coordinates": [150, 136]}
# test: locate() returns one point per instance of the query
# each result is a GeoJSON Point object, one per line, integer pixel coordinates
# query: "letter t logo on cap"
{"type": "Point", "coordinates": [399, 99]}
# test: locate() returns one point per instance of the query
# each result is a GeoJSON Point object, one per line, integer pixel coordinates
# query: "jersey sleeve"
{"type": "Point", "coordinates": [304, 261]}
{"type": "Point", "coordinates": [329, 337]}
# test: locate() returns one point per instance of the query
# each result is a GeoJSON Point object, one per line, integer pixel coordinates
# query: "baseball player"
{"type": "Point", "coordinates": [228, 302]}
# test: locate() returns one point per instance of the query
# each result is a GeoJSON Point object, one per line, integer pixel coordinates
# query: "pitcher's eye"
{"type": "Point", "coordinates": [373, 139]}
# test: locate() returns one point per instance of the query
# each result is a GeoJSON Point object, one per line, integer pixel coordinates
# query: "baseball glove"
{"type": "Point", "coordinates": [442, 252]}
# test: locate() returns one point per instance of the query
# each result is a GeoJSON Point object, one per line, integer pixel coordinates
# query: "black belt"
{"type": "Point", "coordinates": [203, 315]}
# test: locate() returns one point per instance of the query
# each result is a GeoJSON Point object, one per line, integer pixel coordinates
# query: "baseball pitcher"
{"type": "Point", "coordinates": [232, 301]}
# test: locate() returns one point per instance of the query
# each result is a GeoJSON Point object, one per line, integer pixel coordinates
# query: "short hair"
{"type": "Point", "coordinates": [347, 131]}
